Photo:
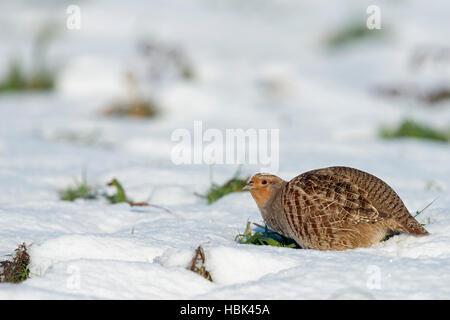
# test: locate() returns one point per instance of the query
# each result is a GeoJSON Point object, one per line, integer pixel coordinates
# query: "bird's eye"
{"type": "Point", "coordinates": [264, 182]}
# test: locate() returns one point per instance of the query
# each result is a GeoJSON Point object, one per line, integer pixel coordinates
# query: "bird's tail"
{"type": "Point", "coordinates": [411, 225]}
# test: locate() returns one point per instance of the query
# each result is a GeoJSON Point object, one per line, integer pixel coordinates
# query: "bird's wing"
{"type": "Point", "coordinates": [323, 196]}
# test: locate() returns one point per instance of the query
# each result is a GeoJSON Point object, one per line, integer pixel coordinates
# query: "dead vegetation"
{"type": "Point", "coordinates": [429, 56]}
{"type": "Point", "coordinates": [429, 96]}
{"type": "Point", "coordinates": [160, 62]}
{"type": "Point", "coordinates": [135, 104]}
{"type": "Point", "coordinates": [17, 269]}
{"type": "Point", "coordinates": [197, 264]}
{"type": "Point", "coordinates": [424, 60]}
{"type": "Point", "coordinates": [164, 61]}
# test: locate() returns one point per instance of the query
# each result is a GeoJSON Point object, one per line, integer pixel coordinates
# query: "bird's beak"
{"type": "Point", "coordinates": [248, 186]}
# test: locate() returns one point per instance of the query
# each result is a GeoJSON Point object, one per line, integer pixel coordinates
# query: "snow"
{"type": "Point", "coordinates": [259, 65]}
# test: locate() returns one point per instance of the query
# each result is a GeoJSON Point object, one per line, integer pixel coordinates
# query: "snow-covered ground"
{"type": "Point", "coordinates": [257, 64]}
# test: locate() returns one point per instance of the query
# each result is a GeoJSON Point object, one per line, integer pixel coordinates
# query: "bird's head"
{"type": "Point", "coordinates": [262, 186]}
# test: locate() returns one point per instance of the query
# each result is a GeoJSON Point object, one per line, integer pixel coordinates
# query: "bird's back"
{"type": "Point", "coordinates": [342, 207]}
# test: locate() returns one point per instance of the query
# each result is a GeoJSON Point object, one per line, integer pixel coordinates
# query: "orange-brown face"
{"type": "Point", "coordinates": [261, 186]}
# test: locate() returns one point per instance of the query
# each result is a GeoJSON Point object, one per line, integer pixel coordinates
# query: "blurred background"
{"type": "Point", "coordinates": [104, 98]}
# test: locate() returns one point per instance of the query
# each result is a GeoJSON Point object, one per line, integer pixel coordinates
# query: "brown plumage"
{"type": "Point", "coordinates": [334, 208]}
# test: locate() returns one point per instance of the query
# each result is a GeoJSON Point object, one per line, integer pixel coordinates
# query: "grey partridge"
{"type": "Point", "coordinates": [333, 208]}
